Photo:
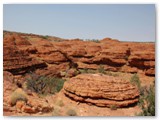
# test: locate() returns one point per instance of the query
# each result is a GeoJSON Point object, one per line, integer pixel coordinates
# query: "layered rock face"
{"type": "Point", "coordinates": [55, 57]}
{"type": "Point", "coordinates": [101, 90]}
{"type": "Point", "coordinates": [144, 61]}
{"type": "Point", "coordinates": [17, 61]}
{"type": "Point", "coordinates": [112, 54]}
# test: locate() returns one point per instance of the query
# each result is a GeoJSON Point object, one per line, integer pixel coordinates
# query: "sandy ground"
{"type": "Point", "coordinates": [63, 104]}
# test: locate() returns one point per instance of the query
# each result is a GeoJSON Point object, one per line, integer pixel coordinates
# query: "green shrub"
{"type": "Point", "coordinates": [148, 108]}
{"type": "Point", "coordinates": [146, 98]}
{"type": "Point", "coordinates": [85, 70]}
{"type": "Point", "coordinates": [93, 40]}
{"type": "Point", "coordinates": [101, 69]}
{"type": "Point", "coordinates": [91, 71]}
{"type": "Point", "coordinates": [44, 85]}
{"type": "Point", "coordinates": [113, 107]}
{"type": "Point", "coordinates": [135, 81]}
{"type": "Point", "coordinates": [58, 83]}
{"type": "Point", "coordinates": [45, 37]}
{"type": "Point", "coordinates": [71, 112]}
{"type": "Point", "coordinates": [17, 95]}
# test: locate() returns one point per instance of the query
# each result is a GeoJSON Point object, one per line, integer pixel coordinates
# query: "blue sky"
{"type": "Point", "coordinates": [96, 21]}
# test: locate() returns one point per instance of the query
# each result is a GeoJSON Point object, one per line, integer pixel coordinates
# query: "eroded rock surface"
{"type": "Point", "coordinates": [55, 57]}
{"type": "Point", "coordinates": [112, 54]}
{"type": "Point", "coordinates": [101, 90]}
{"type": "Point", "coordinates": [17, 61]}
{"type": "Point", "coordinates": [34, 105]}
{"type": "Point", "coordinates": [8, 88]}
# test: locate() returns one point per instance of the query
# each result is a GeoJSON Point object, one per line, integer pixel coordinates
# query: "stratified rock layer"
{"type": "Point", "coordinates": [101, 90]}
{"type": "Point", "coordinates": [17, 61]}
{"type": "Point", "coordinates": [113, 55]}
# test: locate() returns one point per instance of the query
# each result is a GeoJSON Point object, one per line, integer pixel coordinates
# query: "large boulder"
{"type": "Point", "coordinates": [101, 90]}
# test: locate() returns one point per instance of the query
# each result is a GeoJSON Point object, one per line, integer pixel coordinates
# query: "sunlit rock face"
{"type": "Point", "coordinates": [101, 90]}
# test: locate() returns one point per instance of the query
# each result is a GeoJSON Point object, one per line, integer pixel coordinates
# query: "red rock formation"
{"type": "Point", "coordinates": [18, 62]}
{"type": "Point", "coordinates": [150, 72]}
{"type": "Point", "coordinates": [33, 105]}
{"type": "Point", "coordinates": [109, 41]}
{"type": "Point", "coordinates": [8, 85]}
{"type": "Point", "coordinates": [15, 40]}
{"type": "Point", "coordinates": [8, 88]}
{"type": "Point", "coordinates": [142, 60]}
{"type": "Point", "coordinates": [15, 60]}
{"type": "Point", "coordinates": [53, 70]}
{"type": "Point", "coordinates": [101, 90]}
{"type": "Point", "coordinates": [112, 54]}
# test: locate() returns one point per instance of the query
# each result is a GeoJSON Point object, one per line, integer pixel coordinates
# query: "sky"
{"type": "Point", "coordinates": [125, 22]}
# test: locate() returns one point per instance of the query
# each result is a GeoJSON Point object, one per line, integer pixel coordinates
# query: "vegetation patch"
{"type": "Point", "coordinates": [113, 107]}
{"type": "Point", "coordinates": [44, 85]}
{"type": "Point", "coordinates": [85, 70]}
{"type": "Point", "coordinates": [101, 69]}
{"type": "Point", "coordinates": [148, 102]}
{"type": "Point", "coordinates": [146, 98]}
{"type": "Point", "coordinates": [93, 40]}
{"type": "Point", "coordinates": [45, 37]}
{"type": "Point", "coordinates": [135, 81]}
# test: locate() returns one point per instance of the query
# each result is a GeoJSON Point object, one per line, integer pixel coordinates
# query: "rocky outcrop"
{"type": "Point", "coordinates": [101, 90]}
{"type": "Point", "coordinates": [8, 86]}
{"type": "Point", "coordinates": [112, 57]}
{"type": "Point", "coordinates": [144, 61]}
{"type": "Point", "coordinates": [112, 54]}
{"type": "Point", "coordinates": [33, 105]}
{"type": "Point", "coordinates": [16, 39]}
{"type": "Point", "coordinates": [50, 55]}
{"type": "Point", "coordinates": [150, 72]}
{"type": "Point", "coordinates": [17, 61]}
{"type": "Point", "coordinates": [53, 57]}
{"type": "Point", "coordinates": [53, 70]}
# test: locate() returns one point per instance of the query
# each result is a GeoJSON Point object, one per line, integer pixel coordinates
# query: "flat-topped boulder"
{"type": "Point", "coordinates": [101, 90]}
